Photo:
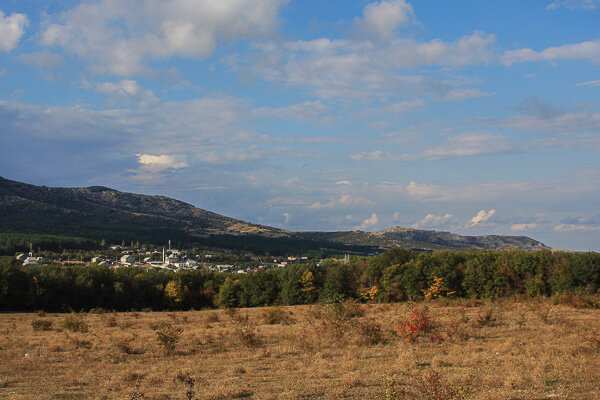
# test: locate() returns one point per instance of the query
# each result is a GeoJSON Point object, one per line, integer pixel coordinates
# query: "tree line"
{"type": "Point", "coordinates": [395, 275]}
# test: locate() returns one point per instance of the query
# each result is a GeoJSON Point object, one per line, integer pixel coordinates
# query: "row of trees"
{"type": "Point", "coordinates": [395, 275]}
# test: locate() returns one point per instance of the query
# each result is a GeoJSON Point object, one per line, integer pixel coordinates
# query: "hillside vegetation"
{"type": "Point", "coordinates": [395, 275]}
{"type": "Point", "coordinates": [100, 213]}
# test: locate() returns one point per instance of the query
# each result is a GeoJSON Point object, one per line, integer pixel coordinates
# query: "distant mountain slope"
{"type": "Point", "coordinates": [102, 213]}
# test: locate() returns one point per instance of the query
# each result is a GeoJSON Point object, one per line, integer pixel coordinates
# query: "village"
{"type": "Point", "coordinates": [166, 258]}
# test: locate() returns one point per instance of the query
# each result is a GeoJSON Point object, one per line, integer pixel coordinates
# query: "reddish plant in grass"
{"type": "Point", "coordinates": [415, 325]}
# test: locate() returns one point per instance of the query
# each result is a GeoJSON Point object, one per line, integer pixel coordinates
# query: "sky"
{"type": "Point", "coordinates": [476, 117]}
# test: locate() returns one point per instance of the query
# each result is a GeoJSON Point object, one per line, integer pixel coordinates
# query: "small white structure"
{"type": "Point", "coordinates": [127, 259]}
{"type": "Point", "coordinates": [191, 263]}
{"type": "Point", "coordinates": [21, 257]}
{"type": "Point", "coordinates": [148, 260]}
{"type": "Point", "coordinates": [31, 260]}
{"type": "Point", "coordinates": [97, 260]}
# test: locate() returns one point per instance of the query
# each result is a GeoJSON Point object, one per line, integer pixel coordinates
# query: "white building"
{"type": "Point", "coordinates": [127, 259]}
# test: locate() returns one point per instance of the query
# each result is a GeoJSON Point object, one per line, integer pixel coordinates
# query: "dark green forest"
{"type": "Point", "coordinates": [395, 275]}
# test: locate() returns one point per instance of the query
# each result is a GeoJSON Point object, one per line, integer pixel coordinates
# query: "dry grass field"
{"type": "Point", "coordinates": [447, 349]}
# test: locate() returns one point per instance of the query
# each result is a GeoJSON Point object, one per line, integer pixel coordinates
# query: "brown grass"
{"type": "Point", "coordinates": [531, 350]}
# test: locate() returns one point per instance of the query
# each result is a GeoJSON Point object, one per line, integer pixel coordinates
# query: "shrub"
{"type": "Point", "coordinates": [212, 317]}
{"type": "Point", "coordinates": [42, 325]}
{"type": "Point", "coordinates": [486, 317]}
{"type": "Point", "coordinates": [430, 386]}
{"type": "Point", "coordinates": [369, 332]}
{"type": "Point", "coordinates": [74, 323]}
{"type": "Point", "coordinates": [245, 331]}
{"type": "Point", "coordinates": [577, 300]}
{"type": "Point", "coordinates": [189, 382]}
{"type": "Point", "coordinates": [111, 321]}
{"type": "Point", "coordinates": [277, 315]}
{"type": "Point", "coordinates": [343, 310]}
{"type": "Point", "coordinates": [167, 336]}
{"type": "Point", "coordinates": [415, 325]}
{"type": "Point", "coordinates": [80, 343]}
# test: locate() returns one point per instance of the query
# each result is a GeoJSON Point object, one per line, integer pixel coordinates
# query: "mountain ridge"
{"type": "Point", "coordinates": [101, 212]}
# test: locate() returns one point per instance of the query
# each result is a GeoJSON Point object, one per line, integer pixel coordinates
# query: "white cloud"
{"type": "Point", "coordinates": [381, 19]}
{"type": "Point", "coordinates": [287, 217]}
{"type": "Point", "coordinates": [463, 145]}
{"type": "Point", "coordinates": [364, 70]}
{"type": "Point", "coordinates": [369, 222]}
{"type": "Point", "coordinates": [345, 200]}
{"type": "Point", "coordinates": [126, 92]}
{"type": "Point", "coordinates": [589, 50]}
{"type": "Point", "coordinates": [12, 29]}
{"type": "Point", "coordinates": [343, 182]}
{"type": "Point", "coordinates": [481, 217]}
{"type": "Point", "coordinates": [161, 162]}
{"type": "Point", "coordinates": [522, 227]}
{"type": "Point", "coordinates": [576, 228]}
{"type": "Point", "coordinates": [574, 4]}
{"type": "Point", "coordinates": [120, 36]}
{"type": "Point", "coordinates": [42, 59]}
{"type": "Point", "coordinates": [432, 221]}
{"type": "Point", "coordinates": [305, 112]}
{"type": "Point", "coordinates": [564, 122]}
{"type": "Point", "coordinates": [468, 144]}
{"type": "Point", "coordinates": [589, 83]}
{"type": "Point", "coordinates": [420, 190]}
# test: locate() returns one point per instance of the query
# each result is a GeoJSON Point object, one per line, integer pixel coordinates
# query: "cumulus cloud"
{"type": "Point", "coordinates": [126, 92]}
{"type": "Point", "coordinates": [574, 4]}
{"type": "Point", "coordinates": [432, 221]}
{"type": "Point", "coordinates": [12, 28]}
{"type": "Point", "coordinates": [523, 227]}
{"type": "Point", "coordinates": [120, 36]}
{"type": "Point", "coordinates": [365, 70]}
{"type": "Point", "coordinates": [589, 50]}
{"type": "Point", "coordinates": [381, 19]}
{"type": "Point", "coordinates": [161, 162]}
{"type": "Point", "coordinates": [369, 222]}
{"type": "Point", "coordinates": [481, 217]}
{"type": "Point", "coordinates": [420, 190]}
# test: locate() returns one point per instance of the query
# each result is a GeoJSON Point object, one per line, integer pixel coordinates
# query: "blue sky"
{"type": "Point", "coordinates": [478, 117]}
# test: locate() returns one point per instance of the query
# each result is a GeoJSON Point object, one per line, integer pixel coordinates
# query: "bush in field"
{"type": "Point", "coordinates": [577, 300]}
{"type": "Point", "coordinates": [368, 332]}
{"type": "Point", "coordinates": [245, 330]}
{"type": "Point", "coordinates": [167, 336]}
{"type": "Point", "coordinates": [41, 325]}
{"type": "Point", "coordinates": [277, 315]}
{"type": "Point", "coordinates": [486, 317]}
{"type": "Point", "coordinates": [415, 325]}
{"type": "Point", "coordinates": [74, 323]}
{"type": "Point", "coordinates": [431, 386]}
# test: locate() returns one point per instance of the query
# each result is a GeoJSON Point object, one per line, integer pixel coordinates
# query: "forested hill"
{"type": "Point", "coordinates": [98, 213]}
